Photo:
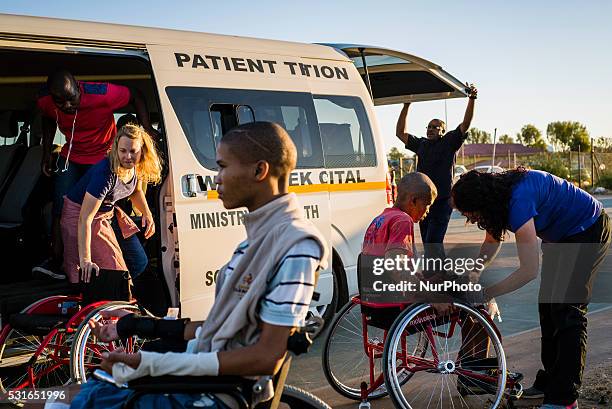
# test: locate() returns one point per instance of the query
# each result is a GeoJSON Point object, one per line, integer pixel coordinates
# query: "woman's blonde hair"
{"type": "Point", "coordinates": [148, 169]}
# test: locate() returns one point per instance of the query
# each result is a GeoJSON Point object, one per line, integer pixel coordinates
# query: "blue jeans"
{"type": "Point", "coordinates": [134, 254]}
{"type": "Point", "coordinates": [64, 181]}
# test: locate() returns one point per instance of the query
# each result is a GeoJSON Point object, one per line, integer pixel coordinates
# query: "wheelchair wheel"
{"type": "Point", "coordinates": [350, 359]}
{"type": "Point", "coordinates": [86, 352]}
{"type": "Point", "coordinates": [464, 366]}
{"type": "Point", "coordinates": [297, 398]}
{"type": "Point", "coordinates": [37, 359]}
{"type": "Point", "coordinates": [23, 365]}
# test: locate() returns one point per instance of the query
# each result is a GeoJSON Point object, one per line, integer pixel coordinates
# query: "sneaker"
{"type": "Point", "coordinates": [551, 406]}
{"type": "Point", "coordinates": [532, 393]}
{"type": "Point", "coordinates": [48, 268]}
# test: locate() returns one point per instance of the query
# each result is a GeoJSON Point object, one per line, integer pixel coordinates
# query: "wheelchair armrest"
{"type": "Point", "coordinates": [188, 384]}
{"type": "Point", "coordinates": [240, 389]}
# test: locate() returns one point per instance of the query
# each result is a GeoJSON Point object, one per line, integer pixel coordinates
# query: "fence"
{"type": "Point", "coordinates": [585, 168]}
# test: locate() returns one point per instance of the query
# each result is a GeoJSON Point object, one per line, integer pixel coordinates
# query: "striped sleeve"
{"type": "Point", "coordinates": [290, 287]}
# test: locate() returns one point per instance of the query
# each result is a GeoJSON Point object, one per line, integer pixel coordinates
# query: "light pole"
{"type": "Point", "coordinates": [493, 158]}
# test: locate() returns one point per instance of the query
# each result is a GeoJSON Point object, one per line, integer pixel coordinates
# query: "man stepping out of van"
{"type": "Point", "coordinates": [261, 294]}
{"type": "Point", "coordinates": [436, 159]}
{"type": "Point", "coordinates": [83, 112]}
{"type": "Point", "coordinates": [96, 233]}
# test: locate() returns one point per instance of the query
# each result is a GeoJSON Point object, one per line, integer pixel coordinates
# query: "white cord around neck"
{"type": "Point", "coordinates": [71, 136]}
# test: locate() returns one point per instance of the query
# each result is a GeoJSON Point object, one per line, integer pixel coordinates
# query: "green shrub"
{"type": "Point", "coordinates": [552, 164]}
{"type": "Point", "coordinates": [605, 180]}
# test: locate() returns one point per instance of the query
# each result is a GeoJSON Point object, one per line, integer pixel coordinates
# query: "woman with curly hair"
{"type": "Point", "coordinates": [97, 234]}
{"type": "Point", "coordinates": [575, 234]}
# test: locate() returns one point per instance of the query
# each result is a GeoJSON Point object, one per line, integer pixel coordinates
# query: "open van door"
{"type": "Point", "coordinates": [394, 77]}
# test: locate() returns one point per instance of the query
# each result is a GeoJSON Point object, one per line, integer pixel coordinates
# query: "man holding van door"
{"type": "Point", "coordinates": [83, 112]}
{"type": "Point", "coordinates": [436, 159]}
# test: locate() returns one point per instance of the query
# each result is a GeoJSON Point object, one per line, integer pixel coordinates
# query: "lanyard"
{"type": "Point", "coordinates": [57, 169]}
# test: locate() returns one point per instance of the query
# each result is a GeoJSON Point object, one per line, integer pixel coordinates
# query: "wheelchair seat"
{"type": "Point", "coordinates": [37, 324]}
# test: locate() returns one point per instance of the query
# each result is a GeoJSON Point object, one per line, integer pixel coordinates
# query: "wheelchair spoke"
{"type": "Point", "coordinates": [458, 362]}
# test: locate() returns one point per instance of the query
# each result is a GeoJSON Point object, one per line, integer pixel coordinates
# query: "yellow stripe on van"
{"type": "Point", "coordinates": [324, 187]}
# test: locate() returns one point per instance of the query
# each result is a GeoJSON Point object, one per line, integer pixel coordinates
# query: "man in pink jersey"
{"type": "Point", "coordinates": [392, 232]}
{"type": "Point", "coordinates": [83, 112]}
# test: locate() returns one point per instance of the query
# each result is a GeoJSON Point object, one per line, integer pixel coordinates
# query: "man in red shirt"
{"type": "Point", "coordinates": [83, 111]}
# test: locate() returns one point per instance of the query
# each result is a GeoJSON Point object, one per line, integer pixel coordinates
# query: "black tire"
{"type": "Point", "coordinates": [344, 346]}
{"type": "Point", "coordinates": [332, 307]}
{"type": "Point", "coordinates": [403, 323]}
{"type": "Point", "coordinates": [338, 296]}
{"type": "Point", "coordinates": [297, 398]}
{"type": "Point", "coordinates": [79, 350]}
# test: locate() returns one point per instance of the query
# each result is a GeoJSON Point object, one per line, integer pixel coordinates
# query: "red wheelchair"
{"type": "Point", "coordinates": [418, 357]}
{"type": "Point", "coordinates": [50, 344]}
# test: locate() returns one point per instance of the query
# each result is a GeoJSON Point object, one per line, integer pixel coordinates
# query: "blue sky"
{"type": "Point", "coordinates": [533, 62]}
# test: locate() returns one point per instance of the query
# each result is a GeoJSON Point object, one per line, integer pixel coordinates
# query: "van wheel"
{"type": "Point", "coordinates": [339, 296]}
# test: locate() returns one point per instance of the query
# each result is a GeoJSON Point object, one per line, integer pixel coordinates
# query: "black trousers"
{"type": "Point", "coordinates": [433, 229]}
{"type": "Point", "coordinates": [568, 271]}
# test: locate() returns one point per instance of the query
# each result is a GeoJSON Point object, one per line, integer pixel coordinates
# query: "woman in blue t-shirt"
{"type": "Point", "coordinates": [97, 234]}
{"type": "Point", "coordinates": [575, 234]}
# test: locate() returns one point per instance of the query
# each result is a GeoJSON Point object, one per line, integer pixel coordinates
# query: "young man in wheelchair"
{"type": "Point", "coordinates": [262, 294]}
{"type": "Point", "coordinates": [391, 234]}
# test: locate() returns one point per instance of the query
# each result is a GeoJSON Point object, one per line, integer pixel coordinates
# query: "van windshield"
{"type": "Point", "coordinates": [206, 114]}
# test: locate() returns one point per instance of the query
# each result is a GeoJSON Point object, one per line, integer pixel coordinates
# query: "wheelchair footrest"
{"type": "Point", "coordinates": [33, 324]}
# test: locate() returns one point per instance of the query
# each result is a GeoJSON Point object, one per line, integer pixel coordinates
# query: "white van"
{"type": "Point", "coordinates": [197, 87]}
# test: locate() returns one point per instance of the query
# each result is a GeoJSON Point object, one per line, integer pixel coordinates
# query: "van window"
{"type": "Point", "coordinates": [345, 132]}
{"type": "Point", "coordinates": [206, 114]}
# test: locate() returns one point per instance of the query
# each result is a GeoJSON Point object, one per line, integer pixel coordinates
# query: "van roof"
{"type": "Point", "coordinates": [28, 28]}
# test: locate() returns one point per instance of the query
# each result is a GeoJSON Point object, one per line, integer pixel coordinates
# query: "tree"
{"type": "Point", "coordinates": [603, 144]}
{"type": "Point", "coordinates": [476, 135]}
{"type": "Point", "coordinates": [531, 136]}
{"type": "Point", "coordinates": [551, 164]}
{"type": "Point", "coordinates": [569, 134]}
{"type": "Point", "coordinates": [395, 154]}
{"type": "Point", "coordinates": [505, 138]}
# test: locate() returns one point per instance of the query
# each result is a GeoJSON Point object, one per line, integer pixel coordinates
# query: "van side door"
{"type": "Point", "coordinates": [204, 93]}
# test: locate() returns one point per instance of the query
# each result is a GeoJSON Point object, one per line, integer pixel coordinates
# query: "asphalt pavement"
{"type": "Point", "coordinates": [519, 326]}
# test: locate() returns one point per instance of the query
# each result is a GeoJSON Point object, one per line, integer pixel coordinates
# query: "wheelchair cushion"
{"type": "Point", "coordinates": [15, 297]}
{"type": "Point", "coordinates": [381, 318]}
{"type": "Point", "coordinates": [33, 324]}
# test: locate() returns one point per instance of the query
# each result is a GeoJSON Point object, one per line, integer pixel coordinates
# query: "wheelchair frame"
{"type": "Point", "coordinates": [400, 362]}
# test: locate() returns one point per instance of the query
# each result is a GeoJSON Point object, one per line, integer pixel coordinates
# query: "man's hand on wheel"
{"type": "Point", "coordinates": [106, 331]}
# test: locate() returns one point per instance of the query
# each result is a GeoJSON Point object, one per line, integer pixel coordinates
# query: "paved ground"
{"type": "Point", "coordinates": [519, 325]}
{"type": "Point", "coordinates": [522, 352]}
